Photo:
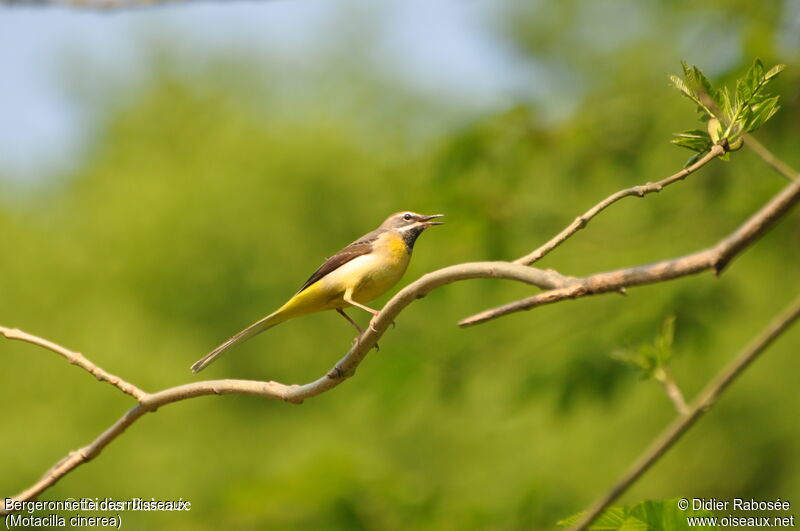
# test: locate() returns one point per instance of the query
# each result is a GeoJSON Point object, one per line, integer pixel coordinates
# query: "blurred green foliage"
{"type": "Point", "coordinates": [663, 515]}
{"type": "Point", "coordinates": [650, 358]}
{"type": "Point", "coordinates": [208, 197]}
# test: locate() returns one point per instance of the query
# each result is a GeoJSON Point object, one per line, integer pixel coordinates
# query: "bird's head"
{"type": "Point", "coordinates": [410, 220]}
{"type": "Point", "coordinates": [410, 225]}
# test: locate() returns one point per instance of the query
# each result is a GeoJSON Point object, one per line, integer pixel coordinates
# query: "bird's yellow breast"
{"type": "Point", "coordinates": [390, 258]}
{"type": "Point", "coordinates": [369, 276]}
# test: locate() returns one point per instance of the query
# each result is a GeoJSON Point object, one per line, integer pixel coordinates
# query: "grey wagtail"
{"type": "Point", "coordinates": [359, 273]}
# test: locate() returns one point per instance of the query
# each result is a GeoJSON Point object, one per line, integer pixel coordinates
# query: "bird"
{"type": "Point", "coordinates": [359, 273]}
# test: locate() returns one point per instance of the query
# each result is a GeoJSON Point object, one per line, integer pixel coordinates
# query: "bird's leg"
{"type": "Point", "coordinates": [360, 330]}
{"type": "Point", "coordinates": [349, 320]}
{"type": "Point", "coordinates": [348, 298]}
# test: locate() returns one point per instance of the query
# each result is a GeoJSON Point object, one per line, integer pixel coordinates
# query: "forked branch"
{"type": "Point", "coordinates": [76, 358]}
{"type": "Point", "coordinates": [704, 401]}
{"type": "Point", "coordinates": [637, 191]}
{"type": "Point", "coordinates": [559, 286]}
{"type": "Point", "coordinates": [715, 258]}
{"type": "Point", "coordinates": [344, 368]}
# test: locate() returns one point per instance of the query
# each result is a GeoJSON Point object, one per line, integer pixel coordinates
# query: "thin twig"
{"type": "Point", "coordinates": [715, 258]}
{"type": "Point", "coordinates": [76, 358]}
{"type": "Point", "coordinates": [638, 191]}
{"type": "Point", "coordinates": [343, 369]}
{"type": "Point", "coordinates": [774, 162]}
{"type": "Point", "coordinates": [664, 376]}
{"type": "Point", "coordinates": [705, 400]}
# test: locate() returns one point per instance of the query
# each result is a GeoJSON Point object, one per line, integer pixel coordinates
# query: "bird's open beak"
{"type": "Point", "coordinates": [426, 220]}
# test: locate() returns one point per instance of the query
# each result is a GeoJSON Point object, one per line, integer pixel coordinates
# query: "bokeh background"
{"type": "Point", "coordinates": [168, 175]}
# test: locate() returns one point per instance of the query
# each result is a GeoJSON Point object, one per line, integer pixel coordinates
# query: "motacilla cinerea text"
{"type": "Point", "coordinates": [359, 273]}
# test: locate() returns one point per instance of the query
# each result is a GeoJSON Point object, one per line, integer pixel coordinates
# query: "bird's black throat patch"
{"type": "Point", "coordinates": [410, 236]}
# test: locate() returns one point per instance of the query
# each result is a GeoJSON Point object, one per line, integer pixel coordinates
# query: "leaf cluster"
{"type": "Point", "coordinates": [729, 115]}
{"type": "Point", "coordinates": [644, 516]}
{"type": "Point", "coordinates": [651, 358]}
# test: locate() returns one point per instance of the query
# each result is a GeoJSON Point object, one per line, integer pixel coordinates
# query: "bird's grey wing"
{"type": "Point", "coordinates": [359, 247]}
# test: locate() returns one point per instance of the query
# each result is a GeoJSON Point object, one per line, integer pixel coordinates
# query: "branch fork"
{"type": "Point", "coordinates": [556, 285]}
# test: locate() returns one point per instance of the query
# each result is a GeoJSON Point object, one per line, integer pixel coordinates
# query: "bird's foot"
{"type": "Point", "coordinates": [372, 324]}
{"type": "Point", "coordinates": [358, 338]}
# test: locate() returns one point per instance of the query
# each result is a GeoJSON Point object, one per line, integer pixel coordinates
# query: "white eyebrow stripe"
{"type": "Point", "coordinates": [409, 227]}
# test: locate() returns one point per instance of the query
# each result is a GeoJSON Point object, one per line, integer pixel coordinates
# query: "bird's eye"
{"type": "Point", "coordinates": [407, 217]}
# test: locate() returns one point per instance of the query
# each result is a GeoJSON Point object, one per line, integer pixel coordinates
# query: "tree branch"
{"type": "Point", "coordinates": [638, 191]}
{"type": "Point", "coordinates": [715, 258]}
{"type": "Point", "coordinates": [774, 162]}
{"type": "Point", "coordinates": [76, 358]}
{"type": "Point", "coordinates": [344, 368]}
{"type": "Point", "coordinates": [701, 405]}
{"type": "Point", "coordinates": [664, 376]}
{"type": "Point", "coordinates": [559, 286]}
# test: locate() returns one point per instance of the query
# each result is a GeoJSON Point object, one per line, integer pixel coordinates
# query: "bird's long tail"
{"type": "Point", "coordinates": [266, 323]}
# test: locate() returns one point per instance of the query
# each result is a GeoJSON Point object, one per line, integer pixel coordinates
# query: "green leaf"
{"type": "Point", "coordinates": [698, 83]}
{"type": "Point", "coordinates": [749, 95]}
{"type": "Point", "coordinates": [650, 357]}
{"type": "Point", "coordinates": [774, 71]}
{"type": "Point", "coordinates": [726, 104]}
{"type": "Point", "coordinates": [632, 523]}
{"type": "Point", "coordinates": [695, 139]}
{"type": "Point", "coordinates": [742, 110]}
{"type": "Point", "coordinates": [690, 93]}
{"type": "Point", "coordinates": [653, 515]}
{"type": "Point", "coordinates": [691, 160]}
{"type": "Point", "coordinates": [611, 518]}
{"type": "Point", "coordinates": [663, 343]}
{"type": "Point", "coordinates": [696, 78]}
{"type": "Point", "coordinates": [681, 85]}
{"type": "Point", "coordinates": [760, 113]}
{"type": "Point", "coordinates": [747, 87]}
